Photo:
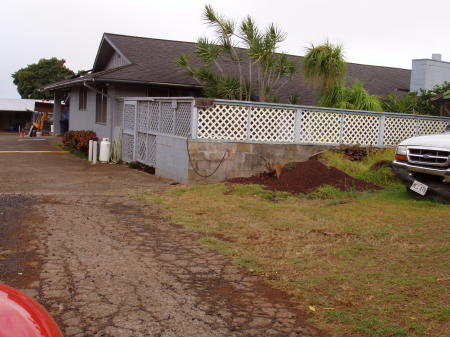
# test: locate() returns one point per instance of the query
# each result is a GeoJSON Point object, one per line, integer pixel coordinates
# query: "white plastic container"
{"type": "Point", "coordinates": [105, 147]}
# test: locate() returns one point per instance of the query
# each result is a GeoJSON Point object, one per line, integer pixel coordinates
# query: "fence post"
{"type": "Point", "coordinates": [381, 131]}
{"type": "Point", "coordinates": [417, 126]}
{"type": "Point", "coordinates": [341, 128]}
{"type": "Point", "coordinates": [159, 115]}
{"type": "Point", "coordinates": [194, 121]}
{"type": "Point", "coordinates": [174, 113]}
{"type": "Point", "coordinates": [298, 126]}
{"type": "Point", "coordinates": [135, 130]}
{"type": "Point", "coordinates": [249, 121]}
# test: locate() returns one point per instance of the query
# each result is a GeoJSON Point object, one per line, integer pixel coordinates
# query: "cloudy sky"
{"type": "Point", "coordinates": [383, 32]}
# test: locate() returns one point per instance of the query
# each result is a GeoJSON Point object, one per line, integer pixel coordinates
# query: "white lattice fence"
{"type": "Point", "coordinates": [221, 121]}
{"type": "Point", "coordinates": [272, 124]}
{"type": "Point", "coordinates": [397, 129]}
{"type": "Point", "coordinates": [145, 119]}
{"type": "Point", "coordinates": [281, 124]}
{"type": "Point", "coordinates": [320, 127]}
{"type": "Point", "coordinates": [360, 129]}
{"type": "Point", "coordinates": [127, 147]}
{"type": "Point", "coordinates": [427, 126]}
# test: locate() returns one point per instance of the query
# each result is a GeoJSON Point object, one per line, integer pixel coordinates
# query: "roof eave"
{"type": "Point", "coordinates": [180, 85]}
{"type": "Point", "coordinates": [77, 82]}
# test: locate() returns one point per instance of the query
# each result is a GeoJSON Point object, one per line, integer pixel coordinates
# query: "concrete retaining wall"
{"type": "Point", "coordinates": [243, 159]}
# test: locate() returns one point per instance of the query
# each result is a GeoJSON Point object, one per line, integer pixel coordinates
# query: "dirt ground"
{"type": "Point", "coordinates": [106, 264]}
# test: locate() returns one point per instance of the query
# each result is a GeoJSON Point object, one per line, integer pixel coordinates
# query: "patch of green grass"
{"type": "Point", "coordinates": [179, 191]}
{"type": "Point", "coordinates": [254, 190]}
{"type": "Point", "coordinates": [444, 314]}
{"type": "Point", "coordinates": [375, 327]}
{"type": "Point", "coordinates": [328, 192]}
{"type": "Point", "coordinates": [215, 244]}
{"type": "Point", "coordinates": [150, 198]}
{"type": "Point", "coordinates": [249, 262]}
{"type": "Point", "coordinates": [362, 169]}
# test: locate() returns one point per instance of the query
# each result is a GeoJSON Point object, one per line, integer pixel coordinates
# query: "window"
{"type": "Point", "coordinates": [82, 98]}
{"type": "Point", "coordinates": [101, 105]}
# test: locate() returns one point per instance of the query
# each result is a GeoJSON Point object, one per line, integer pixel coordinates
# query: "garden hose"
{"type": "Point", "coordinates": [115, 152]}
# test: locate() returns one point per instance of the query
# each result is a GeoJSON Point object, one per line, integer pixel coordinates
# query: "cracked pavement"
{"type": "Point", "coordinates": [107, 264]}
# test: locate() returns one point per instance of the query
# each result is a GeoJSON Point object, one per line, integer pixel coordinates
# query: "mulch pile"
{"type": "Point", "coordinates": [305, 177]}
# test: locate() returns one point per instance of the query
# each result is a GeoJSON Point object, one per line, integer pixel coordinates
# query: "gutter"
{"type": "Point", "coordinates": [98, 91]}
{"type": "Point", "coordinates": [75, 82]}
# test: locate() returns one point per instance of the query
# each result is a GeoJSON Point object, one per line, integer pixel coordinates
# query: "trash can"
{"type": "Point", "coordinates": [64, 125]}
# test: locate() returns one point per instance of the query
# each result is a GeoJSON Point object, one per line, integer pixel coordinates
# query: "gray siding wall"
{"type": "Point", "coordinates": [85, 119]}
{"type": "Point", "coordinates": [116, 61]}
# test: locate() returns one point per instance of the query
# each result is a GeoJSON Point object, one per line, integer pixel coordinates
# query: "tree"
{"type": "Point", "coordinates": [324, 65]}
{"type": "Point", "coordinates": [355, 98]}
{"type": "Point", "coordinates": [258, 72]}
{"type": "Point", "coordinates": [397, 103]}
{"type": "Point", "coordinates": [421, 102]}
{"type": "Point", "coordinates": [34, 76]}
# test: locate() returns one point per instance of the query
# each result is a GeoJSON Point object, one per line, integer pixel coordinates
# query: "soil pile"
{"type": "Point", "coordinates": [305, 177]}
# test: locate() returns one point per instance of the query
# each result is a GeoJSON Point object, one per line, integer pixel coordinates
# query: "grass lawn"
{"type": "Point", "coordinates": [367, 264]}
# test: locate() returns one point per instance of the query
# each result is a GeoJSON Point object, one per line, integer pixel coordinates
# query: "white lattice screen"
{"type": "Point", "coordinates": [320, 127]}
{"type": "Point", "coordinates": [397, 129]}
{"type": "Point", "coordinates": [272, 124]}
{"type": "Point", "coordinates": [250, 122]}
{"type": "Point", "coordinates": [221, 121]}
{"type": "Point", "coordinates": [143, 120]}
{"type": "Point", "coordinates": [428, 127]}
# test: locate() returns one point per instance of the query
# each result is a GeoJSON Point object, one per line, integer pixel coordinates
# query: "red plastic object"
{"type": "Point", "coordinates": [21, 316]}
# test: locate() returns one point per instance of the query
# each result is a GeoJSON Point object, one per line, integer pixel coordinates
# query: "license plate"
{"type": "Point", "coordinates": [419, 187]}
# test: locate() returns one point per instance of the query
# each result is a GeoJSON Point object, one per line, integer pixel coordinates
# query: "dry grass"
{"type": "Point", "coordinates": [374, 265]}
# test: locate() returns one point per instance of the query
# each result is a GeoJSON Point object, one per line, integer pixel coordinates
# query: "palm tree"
{"type": "Point", "coordinates": [354, 98]}
{"type": "Point", "coordinates": [261, 72]}
{"type": "Point", "coordinates": [324, 65]}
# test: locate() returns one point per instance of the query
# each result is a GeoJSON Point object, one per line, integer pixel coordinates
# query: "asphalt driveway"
{"type": "Point", "coordinates": [105, 263]}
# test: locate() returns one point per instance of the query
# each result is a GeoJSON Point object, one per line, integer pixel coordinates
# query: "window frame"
{"type": "Point", "coordinates": [101, 106]}
{"type": "Point", "coordinates": [82, 98]}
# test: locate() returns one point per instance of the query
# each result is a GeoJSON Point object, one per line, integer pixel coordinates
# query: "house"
{"type": "Point", "coordinates": [129, 66]}
{"type": "Point", "coordinates": [15, 112]}
{"type": "Point", "coordinates": [428, 73]}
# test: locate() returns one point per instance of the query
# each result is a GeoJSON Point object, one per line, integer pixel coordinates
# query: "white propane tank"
{"type": "Point", "coordinates": [105, 147]}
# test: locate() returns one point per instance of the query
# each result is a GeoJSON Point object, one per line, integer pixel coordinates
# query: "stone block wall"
{"type": "Point", "coordinates": [242, 159]}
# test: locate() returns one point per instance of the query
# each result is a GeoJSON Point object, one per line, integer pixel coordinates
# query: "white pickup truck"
{"type": "Point", "coordinates": [423, 165]}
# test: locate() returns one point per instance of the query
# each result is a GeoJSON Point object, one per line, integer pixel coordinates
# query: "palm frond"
{"type": "Point", "coordinates": [324, 65]}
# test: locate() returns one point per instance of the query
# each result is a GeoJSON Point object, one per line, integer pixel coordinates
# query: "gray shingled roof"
{"type": "Point", "coordinates": [154, 61]}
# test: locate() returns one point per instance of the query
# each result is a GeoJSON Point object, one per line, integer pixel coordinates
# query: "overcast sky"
{"type": "Point", "coordinates": [382, 32]}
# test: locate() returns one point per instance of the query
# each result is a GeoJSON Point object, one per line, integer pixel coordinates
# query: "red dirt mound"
{"type": "Point", "coordinates": [305, 177]}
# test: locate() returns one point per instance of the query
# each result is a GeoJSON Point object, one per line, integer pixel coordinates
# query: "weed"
{"type": "Point", "coordinates": [179, 191]}
{"type": "Point", "coordinates": [218, 245]}
{"type": "Point", "coordinates": [378, 328]}
{"type": "Point", "coordinates": [362, 169]}
{"type": "Point", "coordinates": [327, 192]}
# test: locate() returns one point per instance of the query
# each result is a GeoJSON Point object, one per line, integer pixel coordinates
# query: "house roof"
{"type": "Point", "coordinates": [17, 104]}
{"type": "Point", "coordinates": [153, 61]}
